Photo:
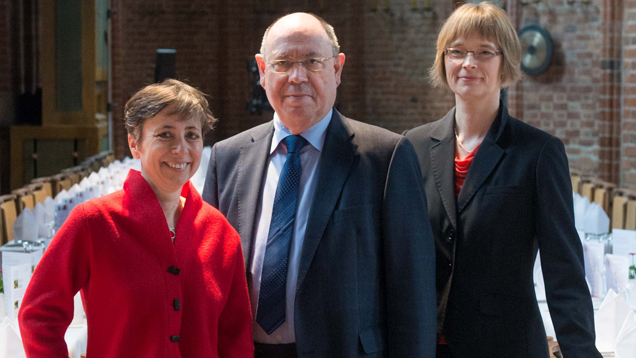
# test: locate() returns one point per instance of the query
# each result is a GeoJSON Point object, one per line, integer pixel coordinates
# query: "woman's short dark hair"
{"type": "Point", "coordinates": [178, 97]}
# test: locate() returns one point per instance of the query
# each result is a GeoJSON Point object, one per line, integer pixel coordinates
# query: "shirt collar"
{"type": "Point", "coordinates": [315, 135]}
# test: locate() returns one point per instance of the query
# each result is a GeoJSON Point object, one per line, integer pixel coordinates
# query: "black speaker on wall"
{"type": "Point", "coordinates": [166, 65]}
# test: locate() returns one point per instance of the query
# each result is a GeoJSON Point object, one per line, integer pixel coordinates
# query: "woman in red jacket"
{"type": "Point", "coordinates": [160, 271]}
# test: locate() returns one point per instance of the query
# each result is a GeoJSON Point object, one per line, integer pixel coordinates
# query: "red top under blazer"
{"type": "Point", "coordinates": [117, 250]}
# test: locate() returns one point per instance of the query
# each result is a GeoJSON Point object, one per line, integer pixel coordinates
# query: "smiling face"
{"type": "Point", "coordinates": [169, 148]}
{"type": "Point", "coordinates": [470, 79]}
{"type": "Point", "coordinates": [301, 98]}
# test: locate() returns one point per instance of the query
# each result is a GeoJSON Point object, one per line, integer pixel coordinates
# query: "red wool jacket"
{"type": "Point", "coordinates": [143, 296]}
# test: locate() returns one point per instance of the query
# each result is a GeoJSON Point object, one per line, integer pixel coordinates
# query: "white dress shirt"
{"type": "Point", "coordinates": [309, 158]}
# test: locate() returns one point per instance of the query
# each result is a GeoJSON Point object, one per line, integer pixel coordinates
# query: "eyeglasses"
{"type": "Point", "coordinates": [481, 55]}
{"type": "Point", "coordinates": [311, 64]}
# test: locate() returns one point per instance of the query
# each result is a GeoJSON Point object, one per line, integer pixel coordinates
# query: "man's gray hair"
{"type": "Point", "coordinates": [331, 34]}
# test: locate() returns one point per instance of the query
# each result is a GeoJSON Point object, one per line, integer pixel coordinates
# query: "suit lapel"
{"type": "Point", "coordinates": [443, 163]}
{"type": "Point", "coordinates": [252, 164]}
{"type": "Point", "coordinates": [335, 161]}
{"type": "Point", "coordinates": [486, 159]}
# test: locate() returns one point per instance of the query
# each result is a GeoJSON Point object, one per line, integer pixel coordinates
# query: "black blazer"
{"type": "Point", "coordinates": [366, 284]}
{"type": "Point", "coordinates": [517, 196]}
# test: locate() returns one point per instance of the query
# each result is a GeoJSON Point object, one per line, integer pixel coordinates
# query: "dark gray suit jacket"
{"type": "Point", "coordinates": [517, 197]}
{"type": "Point", "coordinates": [366, 275]}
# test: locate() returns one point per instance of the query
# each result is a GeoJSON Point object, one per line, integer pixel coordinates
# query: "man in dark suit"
{"type": "Point", "coordinates": [339, 261]}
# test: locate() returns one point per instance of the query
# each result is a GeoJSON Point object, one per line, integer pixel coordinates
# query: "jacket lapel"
{"type": "Point", "coordinates": [335, 161]}
{"type": "Point", "coordinates": [485, 161]}
{"type": "Point", "coordinates": [443, 163]}
{"type": "Point", "coordinates": [252, 164]}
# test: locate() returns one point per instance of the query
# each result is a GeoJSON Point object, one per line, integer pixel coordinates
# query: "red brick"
{"type": "Point", "coordinates": [630, 102]}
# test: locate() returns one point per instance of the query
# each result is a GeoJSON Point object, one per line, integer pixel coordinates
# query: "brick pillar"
{"type": "Point", "coordinates": [628, 128]}
{"type": "Point", "coordinates": [610, 91]}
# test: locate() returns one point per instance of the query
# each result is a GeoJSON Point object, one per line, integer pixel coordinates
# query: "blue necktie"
{"type": "Point", "coordinates": [271, 299]}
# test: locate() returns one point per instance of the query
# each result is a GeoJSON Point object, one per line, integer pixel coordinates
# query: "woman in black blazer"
{"type": "Point", "coordinates": [497, 190]}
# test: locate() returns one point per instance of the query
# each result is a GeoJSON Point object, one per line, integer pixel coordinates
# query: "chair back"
{"type": "Point", "coordinates": [576, 183]}
{"type": "Point", "coordinates": [38, 192]}
{"type": "Point", "coordinates": [46, 185]}
{"type": "Point", "coordinates": [61, 182]}
{"type": "Point", "coordinates": [24, 199]}
{"type": "Point", "coordinates": [9, 215]}
{"type": "Point", "coordinates": [619, 212]}
{"type": "Point", "coordinates": [603, 194]}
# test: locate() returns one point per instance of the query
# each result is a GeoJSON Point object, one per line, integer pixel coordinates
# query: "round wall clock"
{"type": "Point", "coordinates": [536, 47]}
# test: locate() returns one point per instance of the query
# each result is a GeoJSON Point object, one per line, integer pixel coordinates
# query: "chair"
{"type": "Point", "coordinates": [61, 182]}
{"type": "Point", "coordinates": [576, 183]}
{"type": "Point", "coordinates": [9, 215]}
{"type": "Point", "coordinates": [25, 198]}
{"type": "Point", "coordinates": [38, 192]}
{"type": "Point", "coordinates": [46, 185]}
{"type": "Point", "coordinates": [630, 214]}
{"type": "Point", "coordinates": [74, 178]}
{"type": "Point", "coordinates": [587, 189]}
{"type": "Point", "coordinates": [619, 211]}
{"type": "Point", "coordinates": [77, 173]}
{"type": "Point", "coordinates": [83, 172]}
{"type": "Point", "coordinates": [602, 194]}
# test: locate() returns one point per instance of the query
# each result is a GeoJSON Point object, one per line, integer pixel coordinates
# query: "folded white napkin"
{"type": "Point", "coordinates": [92, 192]}
{"type": "Point", "coordinates": [61, 213]}
{"type": "Point", "coordinates": [593, 255]}
{"type": "Point", "coordinates": [74, 190]}
{"type": "Point", "coordinates": [25, 226]}
{"type": "Point", "coordinates": [580, 206]}
{"type": "Point", "coordinates": [81, 196]}
{"type": "Point", "coordinates": [616, 272]}
{"type": "Point", "coordinates": [596, 220]}
{"type": "Point", "coordinates": [98, 183]}
{"type": "Point", "coordinates": [10, 341]}
{"type": "Point", "coordinates": [49, 205]}
{"type": "Point", "coordinates": [118, 178]}
{"type": "Point", "coordinates": [93, 178]}
{"type": "Point", "coordinates": [78, 310]}
{"type": "Point", "coordinates": [59, 198]}
{"type": "Point", "coordinates": [103, 172]}
{"type": "Point", "coordinates": [85, 183]}
{"type": "Point", "coordinates": [608, 320]}
{"type": "Point", "coordinates": [41, 217]}
{"type": "Point", "coordinates": [539, 283]}
{"type": "Point", "coordinates": [136, 164]}
{"type": "Point", "coordinates": [626, 340]}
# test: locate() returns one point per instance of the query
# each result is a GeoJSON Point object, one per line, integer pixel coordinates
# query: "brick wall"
{"type": "Point", "coordinates": [381, 84]}
{"type": "Point", "coordinates": [566, 100]}
{"type": "Point", "coordinates": [628, 129]}
{"type": "Point", "coordinates": [399, 50]}
{"type": "Point", "coordinates": [141, 27]}
{"type": "Point", "coordinates": [587, 97]}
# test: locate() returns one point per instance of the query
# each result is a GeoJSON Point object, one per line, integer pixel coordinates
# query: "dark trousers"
{"type": "Point", "coordinates": [443, 351]}
{"type": "Point", "coordinates": [275, 350]}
